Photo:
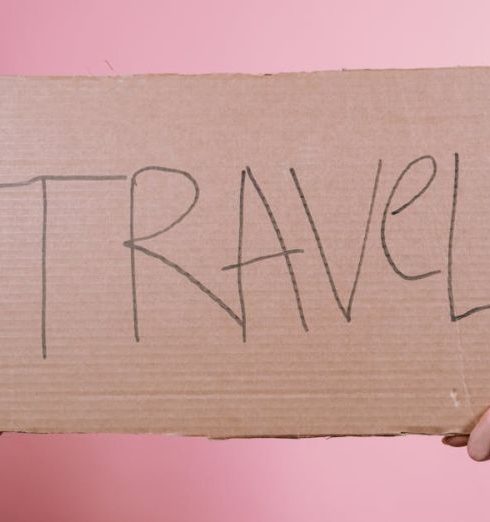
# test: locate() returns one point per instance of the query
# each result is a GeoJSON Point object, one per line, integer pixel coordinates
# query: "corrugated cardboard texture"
{"type": "Point", "coordinates": [287, 255]}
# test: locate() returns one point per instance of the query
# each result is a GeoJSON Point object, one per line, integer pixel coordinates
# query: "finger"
{"type": "Point", "coordinates": [479, 442]}
{"type": "Point", "coordinates": [456, 441]}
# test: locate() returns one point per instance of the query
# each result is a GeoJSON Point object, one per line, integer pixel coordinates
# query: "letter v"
{"type": "Point", "coordinates": [346, 310]}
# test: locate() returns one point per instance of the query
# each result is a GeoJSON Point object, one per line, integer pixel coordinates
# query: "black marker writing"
{"type": "Point", "coordinates": [384, 244]}
{"type": "Point", "coordinates": [239, 257]}
{"type": "Point", "coordinates": [346, 311]}
{"type": "Point", "coordinates": [474, 310]}
{"type": "Point", "coordinates": [284, 252]}
{"type": "Point", "coordinates": [136, 243]}
{"type": "Point", "coordinates": [44, 231]}
{"type": "Point", "coordinates": [133, 245]}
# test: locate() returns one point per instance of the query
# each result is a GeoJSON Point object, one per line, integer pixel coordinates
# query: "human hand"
{"type": "Point", "coordinates": [477, 443]}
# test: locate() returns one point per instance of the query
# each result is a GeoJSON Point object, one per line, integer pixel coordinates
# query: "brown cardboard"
{"type": "Point", "coordinates": [218, 211]}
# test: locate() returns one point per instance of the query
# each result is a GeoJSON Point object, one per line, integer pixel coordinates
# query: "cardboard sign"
{"type": "Point", "coordinates": [233, 255]}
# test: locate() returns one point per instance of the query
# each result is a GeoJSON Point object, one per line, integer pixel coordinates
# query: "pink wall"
{"type": "Point", "coordinates": [150, 478]}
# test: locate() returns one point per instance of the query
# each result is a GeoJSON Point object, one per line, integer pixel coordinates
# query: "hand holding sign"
{"type": "Point", "coordinates": [478, 442]}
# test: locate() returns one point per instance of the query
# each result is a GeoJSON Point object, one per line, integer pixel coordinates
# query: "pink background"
{"type": "Point", "coordinates": [119, 478]}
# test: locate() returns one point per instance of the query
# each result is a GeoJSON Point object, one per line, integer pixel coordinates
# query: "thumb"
{"type": "Point", "coordinates": [479, 441]}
